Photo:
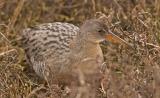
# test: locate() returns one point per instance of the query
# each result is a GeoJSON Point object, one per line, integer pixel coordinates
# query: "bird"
{"type": "Point", "coordinates": [61, 48]}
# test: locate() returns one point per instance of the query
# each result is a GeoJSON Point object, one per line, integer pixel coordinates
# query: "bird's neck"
{"type": "Point", "coordinates": [86, 48]}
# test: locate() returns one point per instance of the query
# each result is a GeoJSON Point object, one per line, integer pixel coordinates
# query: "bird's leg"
{"type": "Point", "coordinates": [81, 77]}
{"type": "Point", "coordinates": [106, 74]}
{"type": "Point", "coordinates": [83, 89]}
{"type": "Point", "coordinates": [102, 86]}
{"type": "Point", "coordinates": [103, 67]}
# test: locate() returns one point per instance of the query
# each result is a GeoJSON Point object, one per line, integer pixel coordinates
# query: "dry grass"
{"type": "Point", "coordinates": [130, 73]}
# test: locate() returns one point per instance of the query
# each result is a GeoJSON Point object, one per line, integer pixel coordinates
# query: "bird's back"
{"type": "Point", "coordinates": [48, 44]}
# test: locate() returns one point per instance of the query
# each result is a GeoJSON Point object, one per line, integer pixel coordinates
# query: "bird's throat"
{"type": "Point", "coordinates": [88, 48]}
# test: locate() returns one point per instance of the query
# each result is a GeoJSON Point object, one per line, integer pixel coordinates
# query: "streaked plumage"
{"type": "Point", "coordinates": [62, 49]}
{"type": "Point", "coordinates": [55, 48]}
{"type": "Point", "coordinates": [48, 42]}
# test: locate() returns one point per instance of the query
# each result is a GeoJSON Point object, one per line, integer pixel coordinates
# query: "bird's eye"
{"type": "Point", "coordinates": [101, 32]}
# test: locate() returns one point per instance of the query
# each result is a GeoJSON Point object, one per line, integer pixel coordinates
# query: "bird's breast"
{"type": "Point", "coordinates": [91, 61]}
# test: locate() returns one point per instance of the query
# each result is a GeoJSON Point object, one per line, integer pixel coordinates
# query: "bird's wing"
{"type": "Point", "coordinates": [49, 40]}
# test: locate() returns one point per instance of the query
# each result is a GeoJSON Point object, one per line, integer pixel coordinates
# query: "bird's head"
{"type": "Point", "coordinates": [96, 30]}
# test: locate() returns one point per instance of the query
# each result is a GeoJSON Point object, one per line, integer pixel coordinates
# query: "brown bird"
{"type": "Point", "coordinates": [61, 48]}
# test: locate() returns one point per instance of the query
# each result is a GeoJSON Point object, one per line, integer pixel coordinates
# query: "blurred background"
{"type": "Point", "coordinates": [131, 72]}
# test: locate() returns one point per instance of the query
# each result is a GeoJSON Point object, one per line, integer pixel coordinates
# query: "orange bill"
{"type": "Point", "coordinates": [115, 39]}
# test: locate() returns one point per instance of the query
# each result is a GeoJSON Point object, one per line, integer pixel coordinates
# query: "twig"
{"type": "Point", "coordinates": [69, 7]}
{"type": "Point", "coordinates": [4, 37]}
{"type": "Point", "coordinates": [3, 53]}
{"type": "Point", "coordinates": [34, 91]}
{"type": "Point", "coordinates": [2, 3]}
{"type": "Point", "coordinates": [15, 15]}
{"type": "Point", "coordinates": [143, 23]}
{"type": "Point", "coordinates": [120, 8]}
{"type": "Point", "coordinates": [94, 5]}
{"type": "Point", "coordinates": [150, 44]}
